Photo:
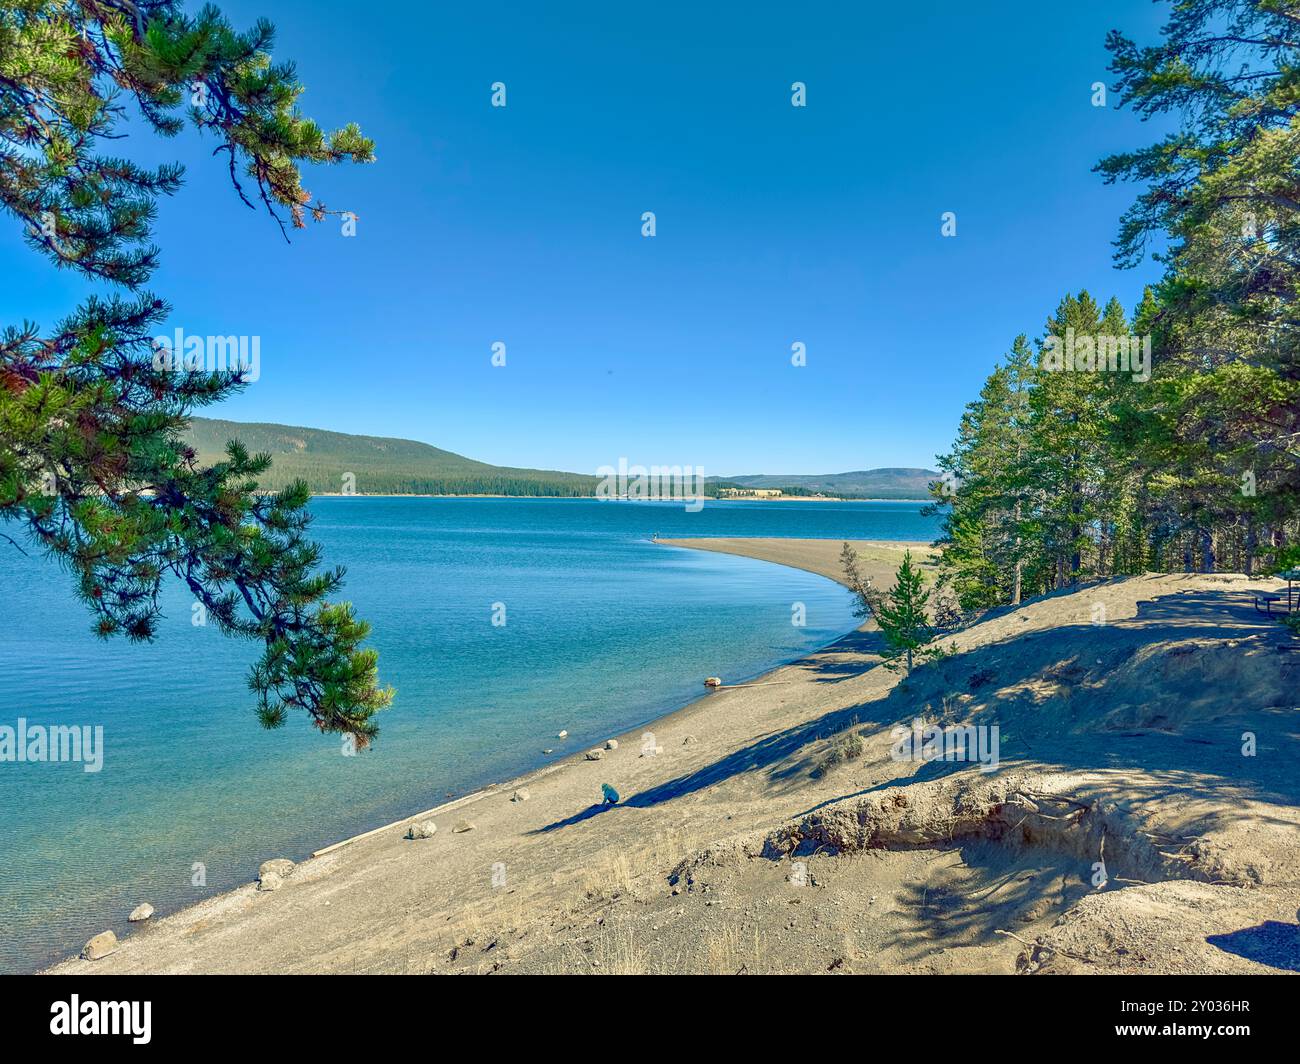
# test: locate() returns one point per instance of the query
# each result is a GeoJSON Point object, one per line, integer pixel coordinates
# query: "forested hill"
{"type": "Point", "coordinates": [385, 466]}
{"type": "Point", "coordinates": [381, 466]}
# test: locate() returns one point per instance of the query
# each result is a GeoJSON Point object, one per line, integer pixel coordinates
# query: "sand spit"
{"type": "Point", "coordinates": [878, 558]}
{"type": "Point", "coordinates": [1126, 828]}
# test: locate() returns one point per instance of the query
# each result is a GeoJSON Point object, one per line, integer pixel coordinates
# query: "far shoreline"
{"type": "Point", "coordinates": [709, 499]}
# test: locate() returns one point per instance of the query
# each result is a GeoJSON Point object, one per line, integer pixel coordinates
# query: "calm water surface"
{"type": "Point", "coordinates": [604, 631]}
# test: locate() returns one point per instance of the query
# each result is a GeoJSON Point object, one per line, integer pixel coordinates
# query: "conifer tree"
{"type": "Point", "coordinates": [1197, 467]}
{"type": "Point", "coordinates": [902, 615]}
{"type": "Point", "coordinates": [1223, 190]}
{"type": "Point", "coordinates": [987, 498]}
{"type": "Point", "coordinates": [93, 468]}
{"type": "Point", "coordinates": [1071, 423]}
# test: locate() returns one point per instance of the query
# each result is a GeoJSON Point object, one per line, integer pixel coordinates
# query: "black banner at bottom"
{"type": "Point", "coordinates": [337, 1012]}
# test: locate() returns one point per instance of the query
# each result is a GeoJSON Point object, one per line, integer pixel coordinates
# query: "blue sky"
{"type": "Point", "coordinates": [775, 225]}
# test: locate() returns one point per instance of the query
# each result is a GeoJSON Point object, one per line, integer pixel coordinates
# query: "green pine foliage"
{"type": "Point", "coordinates": [1063, 477]}
{"type": "Point", "coordinates": [94, 467]}
{"type": "Point", "coordinates": [903, 618]}
{"type": "Point", "coordinates": [991, 498]}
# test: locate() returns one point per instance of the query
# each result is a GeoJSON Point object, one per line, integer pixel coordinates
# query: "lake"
{"type": "Point", "coordinates": [604, 631]}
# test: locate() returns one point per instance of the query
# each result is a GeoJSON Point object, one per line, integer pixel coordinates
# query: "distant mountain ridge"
{"type": "Point", "coordinates": [888, 483]}
{"type": "Point", "coordinates": [383, 465]}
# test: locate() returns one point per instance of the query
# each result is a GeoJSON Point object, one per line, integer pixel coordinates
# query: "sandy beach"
{"type": "Point", "coordinates": [1124, 830]}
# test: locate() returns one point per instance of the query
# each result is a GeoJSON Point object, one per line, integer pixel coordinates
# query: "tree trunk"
{"type": "Point", "coordinates": [1076, 531]}
{"type": "Point", "coordinates": [1207, 551]}
{"type": "Point", "coordinates": [1016, 578]}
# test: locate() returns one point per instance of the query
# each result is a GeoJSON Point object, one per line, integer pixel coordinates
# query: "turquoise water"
{"type": "Point", "coordinates": [604, 631]}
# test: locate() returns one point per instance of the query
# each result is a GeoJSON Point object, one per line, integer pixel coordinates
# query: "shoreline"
{"type": "Point", "coordinates": [659, 721]}
{"type": "Point", "coordinates": [658, 718]}
{"type": "Point", "coordinates": [734, 796]}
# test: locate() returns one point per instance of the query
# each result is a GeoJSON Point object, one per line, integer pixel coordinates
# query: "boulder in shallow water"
{"type": "Point", "coordinates": [281, 866]}
{"type": "Point", "coordinates": [140, 913]}
{"type": "Point", "coordinates": [101, 945]}
{"type": "Point", "coordinates": [425, 830]}
{"type": "Point", "coordinates": [270, 881]}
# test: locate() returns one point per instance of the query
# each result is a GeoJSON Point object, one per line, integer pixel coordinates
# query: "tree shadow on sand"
{"type": "Point", "coordinates": [986, 892]}
{"type": "Point", "coordinates": [851, 656]}
{"type": "Point", "coordinates": [1272, 943]}
{"type": "Point", "coordinates": [1036, 691]}
{"type": "Point", "coordinates": [577, 818]}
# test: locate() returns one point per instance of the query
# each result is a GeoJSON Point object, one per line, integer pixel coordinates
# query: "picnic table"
{"type": "Point", "coordinates": [1291, 576]}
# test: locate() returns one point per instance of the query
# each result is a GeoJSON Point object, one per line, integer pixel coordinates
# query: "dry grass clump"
{"type": "Point", "coordinates": [732, 951]}
{"type": "Point", "coordinates": [620, 873]}
{"type": "Point", "coordinates": [611, 876]}
{"type": "Point", "coordinates": [848, 747]}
